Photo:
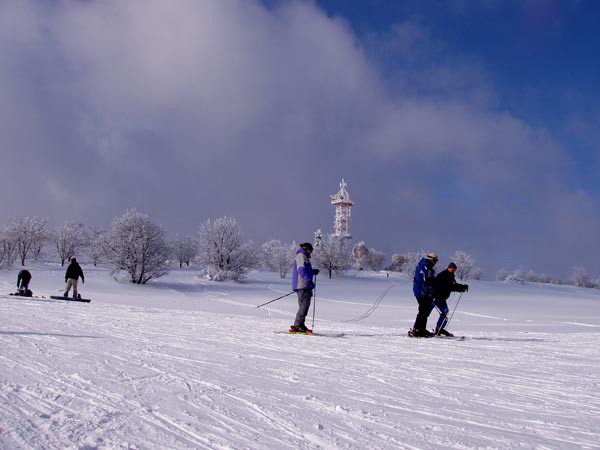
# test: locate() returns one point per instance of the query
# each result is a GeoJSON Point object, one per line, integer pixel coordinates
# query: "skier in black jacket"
{"type": "Point", "coordinates": [445, 284]}
{"type": "Point", "coordinates": [71, 276]}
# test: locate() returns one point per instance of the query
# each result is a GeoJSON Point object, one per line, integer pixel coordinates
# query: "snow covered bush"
{"type": "Point", "coordinates": [222, 249]}
{"type": "Point", "coordinates": [332, 254]}
{"type": "Point", "coordinates": [137, 245]}
{"type": "Point", "coordinates": [185, 250]}
{"type": "Point", "coordinates": [502, 275]}
{"type": "Point", "coordinates": [278, 256]}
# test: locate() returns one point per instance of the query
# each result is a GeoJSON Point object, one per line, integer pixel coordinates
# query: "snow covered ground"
{"type": "Point", "coordinates": [185, 363]}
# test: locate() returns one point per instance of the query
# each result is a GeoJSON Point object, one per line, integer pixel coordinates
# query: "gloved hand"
{"type": "Point", "coordinates": [465, 288]}
{"type": "Point", "coordinates": [310, 285]}
{"type": "Point", "coordinates": [316, 271]}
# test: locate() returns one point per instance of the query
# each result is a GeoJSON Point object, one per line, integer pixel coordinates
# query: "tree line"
{"type": "Point", "coordinates": [137, 245]}
{"type": "Point", "coordinates": [579, 277]}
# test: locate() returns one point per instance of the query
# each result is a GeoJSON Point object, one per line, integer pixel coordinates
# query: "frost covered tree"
{"type": "Point", "coordinates": [518, 276]}
{"type": "Point", "coordinates": [94, 237]}
{"type": "Point", "coordinates": [406, 262]}
{"type": "Point", "coordinates": [466, 266]}
{"type": "Point", "coordinates": [361, 256]}
{"type": "Point", "coordinates": [543, 278]}
{"type": "Point", "coordinates": [29, 235]}
{"type": "Point", "coordinates": [397, 262]}
{"type": "Point", "coordinates": [137, 245]}
{"type": "Point", "coordinates": [185, 250]}
{"type": "Point", "coordinates": [333, 254]}
{"type": "Point", "coordinates": [376, 259]}
{"type": "Point", "coordinates": [502, 275]}
{"type": "Point", "coordinates": [532, 277]}
{"type": "Point", "coordinates": [8, 250]}
{"type": "Point", "coordinates": [580, 277]}
{"type": "Point", "coordinates": [364, 257]}
{"type": "Point", "coordinates": [277, 256]}
{"type": "Point", "coordinates": [222, 249]}
{"type": "Point", "coordinates": [68, 239]}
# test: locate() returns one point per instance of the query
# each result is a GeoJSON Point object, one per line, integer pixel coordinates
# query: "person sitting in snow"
{"type": "Point", "coordinates": [23, 280]}
{"type": "Point", "coordinates": [72, 275]}
{"type": "Point", "coordinates": [303, 285]}
{"type": "Point", "coordinates": [445, 284]}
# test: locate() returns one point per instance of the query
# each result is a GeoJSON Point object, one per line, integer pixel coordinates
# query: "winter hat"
{"type": "Point", "coordinates": [307, 246]}
{"type": "Point", "coordinates": [452, 266]}
{"type": "Point", "coordinates": [432, 256]}
{"type": "Point", "coordinates": [73, 260]}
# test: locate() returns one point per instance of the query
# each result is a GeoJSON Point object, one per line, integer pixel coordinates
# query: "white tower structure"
{"type": "Point", "coordinates": [343, 205]}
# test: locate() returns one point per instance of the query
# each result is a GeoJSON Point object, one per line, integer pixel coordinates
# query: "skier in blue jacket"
{"type": "Point", "coordinates": [423, 285]}
{"type": "Point", "coordinates": [303, 284]}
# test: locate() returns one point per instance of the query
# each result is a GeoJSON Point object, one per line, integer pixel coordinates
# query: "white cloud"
{"type": "Point", "coordinates": [189, 110]}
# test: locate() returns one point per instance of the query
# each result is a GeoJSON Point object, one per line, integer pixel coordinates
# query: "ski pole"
{"type": "Point", "coordinates": [314, 302]}
{"type": "Point", "coordinates": [455, 306]}
{"type": "Point", "coordinates": [275, 299]}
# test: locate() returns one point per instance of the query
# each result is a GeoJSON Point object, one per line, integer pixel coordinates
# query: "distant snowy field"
{"type": "Point", "coordinates": [186, 363]}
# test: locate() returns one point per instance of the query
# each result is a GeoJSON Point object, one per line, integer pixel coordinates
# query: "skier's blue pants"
{"type": "Point", "coordinates": [442, 307]}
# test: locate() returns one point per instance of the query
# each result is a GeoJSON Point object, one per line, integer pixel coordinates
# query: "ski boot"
{"type": "Point", "coordinates": [419, 333]}
{"type": "Point", "coordinates": [443, 332]}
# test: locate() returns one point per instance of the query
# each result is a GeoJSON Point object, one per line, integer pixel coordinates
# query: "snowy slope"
{"type": "Point", "coordinates": [186, 363]}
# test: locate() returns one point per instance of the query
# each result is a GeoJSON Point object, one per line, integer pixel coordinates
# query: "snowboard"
{"type": "Point", "coordinates": [70, 299]}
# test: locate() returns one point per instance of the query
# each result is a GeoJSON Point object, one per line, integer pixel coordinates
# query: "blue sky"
{"type": "Point", "coordinates": [458, 125]}
{"type": "Point", "coordinates": [539, 54]}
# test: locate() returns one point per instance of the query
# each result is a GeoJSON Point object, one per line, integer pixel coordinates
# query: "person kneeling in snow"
{"type": "Point", "coordinates": [445, 284]}
{"type": "Point", "coordinates": [303, 284]}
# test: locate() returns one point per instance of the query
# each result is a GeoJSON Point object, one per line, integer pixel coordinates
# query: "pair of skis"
{"type": "Point", "coordinates": [312, 333]}
{"type": "Point", "coordinates": [435, 336]}
{"type": "Point", "coordinates": [340, 335]}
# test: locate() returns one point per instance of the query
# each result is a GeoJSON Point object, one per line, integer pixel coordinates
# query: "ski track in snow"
{"type": "Point", "coordinates": [99, 375]}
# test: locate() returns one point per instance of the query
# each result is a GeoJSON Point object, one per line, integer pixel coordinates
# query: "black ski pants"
{"type": "Point", "coordinates": [425, 307]}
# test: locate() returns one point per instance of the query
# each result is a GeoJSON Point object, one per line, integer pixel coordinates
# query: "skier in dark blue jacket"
{"type": "Point", "coordinates": [303, 284]}
{"type": "Point", "coordinates": [423, 285]}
